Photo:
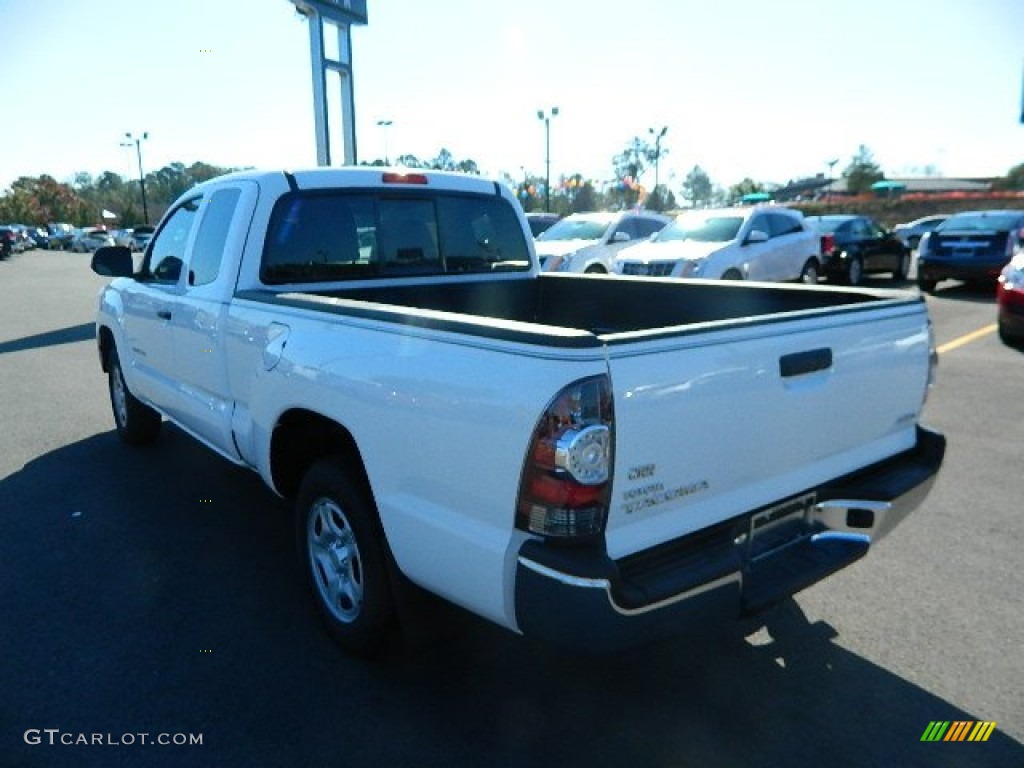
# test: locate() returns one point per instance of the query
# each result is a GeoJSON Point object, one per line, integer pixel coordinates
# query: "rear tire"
{"type": "Point", "coordinates": [927, 286]}
{"type": "Point", "coordinates": [136, 422]}
{"type": "Point", "coordinates": [732, 274]}
{"type": "Point", "coordinates": [854, 271]}
{"type": "Point", "coordinates": [344, 556]}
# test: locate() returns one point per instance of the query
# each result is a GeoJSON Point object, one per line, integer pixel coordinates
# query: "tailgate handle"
{"type": "Point", "coordinates": [800, 363]}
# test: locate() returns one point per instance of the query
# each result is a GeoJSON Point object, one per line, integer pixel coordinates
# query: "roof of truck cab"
{"type": "Point", "coordinates": [370, 176]}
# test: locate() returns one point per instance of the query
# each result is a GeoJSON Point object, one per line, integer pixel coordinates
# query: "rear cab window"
{"type": "Point", "coordinates": [331, 235]}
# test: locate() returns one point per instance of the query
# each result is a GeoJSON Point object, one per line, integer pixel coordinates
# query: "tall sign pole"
{"type": "Point", "coordinates": [341, 15]}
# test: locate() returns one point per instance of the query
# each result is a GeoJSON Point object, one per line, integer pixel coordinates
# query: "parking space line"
{"type": "Point", "coordinates": [949, 346]}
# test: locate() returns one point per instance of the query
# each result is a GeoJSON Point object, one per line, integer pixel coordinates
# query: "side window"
{"type": "Point", "coordinates": [629, 227]}
{"type": "Point", "coordinates": [860, 229]}
{"type": "Point", "coordinates": [167, 251]}
{"type": "Point", "coordinates": [875, 229]}
{"type": "Point", "coordinates": [647, 227]}
{"type": "Point", "coordinates": [781, 224]}
{"type": "Point", "coordinates": [760, 223]}
{"type": "Point", "coordinates": [208, 249]}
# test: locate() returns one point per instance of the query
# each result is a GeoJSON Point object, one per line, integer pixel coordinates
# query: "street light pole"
{"type": "Point", "coordinates": [384, 125]}
{"type": "Point", "coordinates": [547, 154]}
{"type": "Point", "coordinates": [142, 179]}
{"type": "Point", "coordinates": [828, 195]}
{"type": "Point", "coordinates": [658, 135]}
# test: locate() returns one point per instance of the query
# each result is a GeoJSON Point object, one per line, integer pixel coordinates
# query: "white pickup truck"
{"type": "Point", "coordinates": [589, 460]}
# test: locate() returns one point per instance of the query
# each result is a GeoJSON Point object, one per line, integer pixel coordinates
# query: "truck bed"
{"type": "Point", "coordinates": [600, 310]}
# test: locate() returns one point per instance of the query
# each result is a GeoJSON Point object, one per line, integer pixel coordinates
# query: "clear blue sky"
{"type": "Point", "coordinates": [770, 90]}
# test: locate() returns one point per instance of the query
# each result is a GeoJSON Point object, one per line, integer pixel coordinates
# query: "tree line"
{"type": "Point", "coordinates": [43, 200]}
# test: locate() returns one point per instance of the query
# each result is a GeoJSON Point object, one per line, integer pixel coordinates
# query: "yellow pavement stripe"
{"type": "Point", "coordinates": [949, 346]}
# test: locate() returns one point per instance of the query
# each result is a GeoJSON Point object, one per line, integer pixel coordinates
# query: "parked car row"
{"type": "Point", "coordinates": [17, 238]}
{"type": "Point", "coordinates": [771, 243]}
{"type": "Point", "coordinates": [775, 243]}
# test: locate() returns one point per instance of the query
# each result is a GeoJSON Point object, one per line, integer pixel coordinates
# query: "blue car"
{"type": "Point", "coordinates": [973, 246]}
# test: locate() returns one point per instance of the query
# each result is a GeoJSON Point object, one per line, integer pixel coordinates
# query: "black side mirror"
{"type": "Point", "coordinates": [113, 261]}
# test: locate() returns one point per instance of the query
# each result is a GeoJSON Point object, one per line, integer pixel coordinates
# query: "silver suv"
{"type": "Point", "coordinates": [767, 242]}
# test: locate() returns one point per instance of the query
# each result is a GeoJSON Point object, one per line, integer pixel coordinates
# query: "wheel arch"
{"type": "Point", "coordinates": [105, 342]}
{"type": "Point", "coordinates": [302, 437]}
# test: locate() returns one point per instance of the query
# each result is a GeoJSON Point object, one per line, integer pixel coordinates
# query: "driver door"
{"type": "Point", "coordinates": [150, 302]}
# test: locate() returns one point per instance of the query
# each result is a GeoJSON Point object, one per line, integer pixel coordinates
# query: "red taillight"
{"type": "Point", "coordinates": [564, 490]}
{"type": "Point", "coordinates": [828, 244]}
{"type": "Point", "coordinates": [404, 178]}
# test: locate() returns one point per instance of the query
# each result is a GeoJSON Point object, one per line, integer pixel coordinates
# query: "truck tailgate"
{"type": "Point", "coordinates": [713, 424]}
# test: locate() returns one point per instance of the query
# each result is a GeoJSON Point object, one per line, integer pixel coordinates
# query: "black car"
{"type": "Point", "coordinates": [973, 246]}
{"type": "Point", "coordinates": [853, 246]}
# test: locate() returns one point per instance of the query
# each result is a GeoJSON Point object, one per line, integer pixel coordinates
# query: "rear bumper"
{"type": "Point", "coordinates": [942, 269]}
{"type": "Point", "coordinates": [582, 598]}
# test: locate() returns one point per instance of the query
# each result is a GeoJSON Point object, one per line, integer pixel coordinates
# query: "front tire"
{"type": "Point", "coordinates": [732, 274]}
{"type": "Point", "coordinates": [342, 550]}
{"type": "Point", "coordinates": [136, 422]}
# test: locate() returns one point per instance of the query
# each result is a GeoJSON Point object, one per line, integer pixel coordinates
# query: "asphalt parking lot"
{"type": "Point", "coordinates": [153, 595]}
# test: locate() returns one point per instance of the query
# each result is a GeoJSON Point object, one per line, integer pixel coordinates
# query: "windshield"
{"type": "Point", "coordinates": [576, 229]}
{"type": "Point", "coordinates": [978, 221]}
{"type": "Point", "coordinates": [705, 227]}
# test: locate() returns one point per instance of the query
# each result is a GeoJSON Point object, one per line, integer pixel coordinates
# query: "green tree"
{"type": "Point", "coordinates": [410, 161]}
{"type": "Point", "coordinates": [1014, 179]}
{"type": "Point", "coordinates": [697, 186]}
{"type": "Point", "coordinates": [444, 161]}
{"type": "Point", "coordinates": [629, 165]}
{"type": "Point", "coordinates": [862, 172]}
{"type": "Point", "coordinates": [530, 193]}
{"type": "Point", "coordinates": [746, 187]}
{"type": "Point", "coordinates": [660, 199]}
{"type": "Point", "coordinates": [42, 200]}
{"type": "Point", "coordinates": [585, 199]}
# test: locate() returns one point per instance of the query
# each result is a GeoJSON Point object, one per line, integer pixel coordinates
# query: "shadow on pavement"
{"type": "Point", "coordinates": [157, 591]}
{"type": "Point", "coordinates": [69, 335]}
{"type": "Point", "coordinates": [975, 293]}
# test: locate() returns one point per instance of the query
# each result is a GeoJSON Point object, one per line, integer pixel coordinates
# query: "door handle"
{"type": "Point", "coordinates": [164, 314]}
{"type": "Point", "coordinates": [802, 363]}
